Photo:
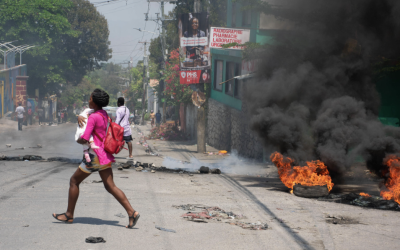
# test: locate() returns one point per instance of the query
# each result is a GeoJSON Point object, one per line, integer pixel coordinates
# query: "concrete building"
{"type": "Point", "coordinates": [13, 85]}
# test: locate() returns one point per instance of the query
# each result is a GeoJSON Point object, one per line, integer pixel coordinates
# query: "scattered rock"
{"type": "Point", "coordinates": [119, 168]}
{"type": "Point", "coordinates": [153, 171]}
{"type": "Point", "coordinates": [204, 170]}
{"type": "Point", "coordinates": [126, 165]}
{"type": "Point", "coordinates": [23, 148]}
{"type": "Point", "coordinates": [8, 145]}
{"type": "Point", "coordinates": [25, 225]}
{"type": "Point", "coordinates": [2, 157]}
{"type": "Point", "coordinates": [139, 168]}
{"type": "Point", "coordinates": [215, 171]}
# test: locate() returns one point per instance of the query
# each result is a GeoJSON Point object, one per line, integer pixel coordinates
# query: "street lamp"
{"type": "Point", "coordinates": [146, 31]}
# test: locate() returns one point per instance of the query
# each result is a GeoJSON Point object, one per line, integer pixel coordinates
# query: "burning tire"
{"type": "Point", "coordinates": [310, 191]}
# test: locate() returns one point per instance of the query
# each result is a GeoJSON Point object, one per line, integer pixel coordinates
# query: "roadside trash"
{"type": "Point", "coordinates": [26, 160]}
{"type": "Point", "coordinates": [190, 174]}
{"type": "Point", "coordinates": [204, 170]}
{"type": "Point", "coordinates": [37, 146]}
{"type": "Point", "coordinates": [97, 181]}
{"type": "Point", "coordinates": [139, 168]}
{"type": "Point", "coordinates": [145, 171]}
{"type": "Point", "coordinates": [165, 229]}
{"type": "Point", "coordinates": [8, 145]}
{"type": "Point", "coordinates": [2, 157]}
{"type": "Point", "coordinates": [215, 171]}
{"type": "Point", "coordinates": [126, 165]}
{"type": "Point", "coordinates": [92, 239]}
{"type": "Point", "coordinates": [207, 214]}
{"type": "Point", "coordinates": [222, 152]}
{"type": "Point", "coordinates": [120, 215]}
{"type": "Point", "coordinates": [250, 226]}
{"type": "Point", "coordinates": [119, 168]}
{"type": "Point", "coordinates": [153, 171]}
{"type": "Point", "coordinates": [20, 148]}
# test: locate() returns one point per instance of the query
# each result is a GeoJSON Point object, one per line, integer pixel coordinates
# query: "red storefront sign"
{"type": "Point", "coordinates": [190, 77]}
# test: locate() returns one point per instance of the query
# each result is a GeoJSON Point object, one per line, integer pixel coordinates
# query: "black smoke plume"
{"type": "Point", "coordinates": [315, 95]}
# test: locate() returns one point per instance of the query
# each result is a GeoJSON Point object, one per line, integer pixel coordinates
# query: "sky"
{"type": "Point", "coordinates": [122, 17]}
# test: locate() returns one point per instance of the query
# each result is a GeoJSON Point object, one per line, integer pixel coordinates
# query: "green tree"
{"type": "Point", "coordinates": [70, 38]}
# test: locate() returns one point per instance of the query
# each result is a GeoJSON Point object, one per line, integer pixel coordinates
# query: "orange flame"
{"type": "Point", "coordinates": [314, 174]}
{"type": "Point", "coordinates": [365, 195]}
{"type": "Point", "coordinates": [393, 182]}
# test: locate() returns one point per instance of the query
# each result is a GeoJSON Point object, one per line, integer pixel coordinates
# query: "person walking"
{"type": "Point", "coordinates": [152, 118]}
{"type": "Point", "coordinates": [30, 113]}
{"type": "Point", "coordinates": [20, 115]}
{"type": "Point", "coordinates": [158, 118]}
{"type": "Point", "coordinates": [122, 118]}
{"type": "Point", "coordinates": [100, 161]}
{"type": "Point", "coordinates": [41, 115]}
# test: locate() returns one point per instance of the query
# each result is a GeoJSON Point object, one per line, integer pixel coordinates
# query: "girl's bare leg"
{"type": "Point", "coordinates": [73, 193]}
{"type": "Point", "coordinates": [108, 181]}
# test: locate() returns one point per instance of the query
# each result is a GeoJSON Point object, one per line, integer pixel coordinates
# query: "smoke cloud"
{"type": "Point", "coordinates": [315, 96]}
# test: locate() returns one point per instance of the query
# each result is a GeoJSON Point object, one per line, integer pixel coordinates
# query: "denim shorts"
{"type": "Point", "coordinates": [128, 138]}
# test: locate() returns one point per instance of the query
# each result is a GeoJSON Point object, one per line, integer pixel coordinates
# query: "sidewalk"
{"type": "Point", "coordinates": [183, 154]}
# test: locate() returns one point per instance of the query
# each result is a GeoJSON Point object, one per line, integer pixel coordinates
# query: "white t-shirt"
{"type": "Point", "coordinates": [20, 110]}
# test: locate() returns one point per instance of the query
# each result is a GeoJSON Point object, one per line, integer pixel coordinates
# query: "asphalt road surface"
{"type": "Point", "coordinates": [32, 191]}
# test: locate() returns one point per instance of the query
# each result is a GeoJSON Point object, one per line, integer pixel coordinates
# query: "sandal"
{"type": "Point", "coordinates": [135, 219]}
{"type": "Point", "coordinates": [67, 218]}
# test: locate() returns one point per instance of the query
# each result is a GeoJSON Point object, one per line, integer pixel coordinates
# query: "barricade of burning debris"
{"type": "Point", "coordinates": [205, 214]}
{"type": "Point", "coordinates": [151, 167]}
{"type": "Point", "coordinates": [362, 200]}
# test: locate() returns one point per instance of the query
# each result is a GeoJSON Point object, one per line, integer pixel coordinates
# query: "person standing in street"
{"type": "Point", "coordinates": [100, 161]}
{"type": "Point", "coordinates": [152, 118]}
{"type": "Point", "coordinates": [20, 115]}
{"type": "Point", "coordinates": [122, 118]}
{"type": "Point", "coordinates": [30, 113]}
{"type": "Point", "coordinates": [158, 118]}
{"type": "Point", "coordinates": [40, 114]}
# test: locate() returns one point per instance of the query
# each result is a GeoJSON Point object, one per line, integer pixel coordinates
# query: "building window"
{"type": "Point", "coordinates": [218, 69]}
{"type": "Point", "coordinates": [246, 18]}
{"type": "Point", "coordinates": [233, 15]}
{"type": "Point", "coordinates": [232, 70]}
{"type": "Point", "coordinates": [238, 92]}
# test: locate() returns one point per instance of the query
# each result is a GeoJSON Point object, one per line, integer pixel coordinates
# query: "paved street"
{"type": "Point", "coordinates": [32, 191]}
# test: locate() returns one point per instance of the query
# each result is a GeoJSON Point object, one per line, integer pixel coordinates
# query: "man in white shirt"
{"type": "Point", "coordinates": [122, 119]}
{"type": "Point", "coordinates": [20, 115]}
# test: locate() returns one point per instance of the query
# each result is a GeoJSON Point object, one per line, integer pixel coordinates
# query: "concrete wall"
{"type": "Point", "coordinates": [229, 129]}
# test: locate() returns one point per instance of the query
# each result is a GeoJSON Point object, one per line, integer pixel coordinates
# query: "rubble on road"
{"type": "Point", "coordinates": [205, 214]}
{"type": "Point", "coordinates": [204, 170]}
{"type": "Point", "coordinates": [362, 201]}
{"type": "Point", "coordinates": [37, 146]}
{"type": "Point", "coordinates": [23, 148]}
{"type": "Point", "coordinates": [139, 168]}
{"type": "Point", "coordinates": [33, 157]}
{"type": "Point", "coordinates": [250, 226]}
{"type": "Point", "coordinates": [166, 229]}
{"type": "Point", "coordinates": [64, 159]}
{"type": "Point", "coordinates": [341, 220]}
{"type": "Point", "coordinates": [8, 145]}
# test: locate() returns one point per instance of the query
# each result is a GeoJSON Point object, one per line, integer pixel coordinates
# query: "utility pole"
{"type": "Point", "coordinates": [163, 61]}
{"type": "Point", "coordinates": [201, 114]}
{"type": "Point", "coordinates": [145, 63]}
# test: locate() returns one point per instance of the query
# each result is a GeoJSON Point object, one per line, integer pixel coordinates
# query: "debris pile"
{"type": "Point", "coordinates": [166, 132]}
{"type": "Point", "coordinates": [204, 214]}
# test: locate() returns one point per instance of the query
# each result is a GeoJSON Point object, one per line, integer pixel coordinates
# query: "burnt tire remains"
{"type": "Point", "coordinates": [310, 191]}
